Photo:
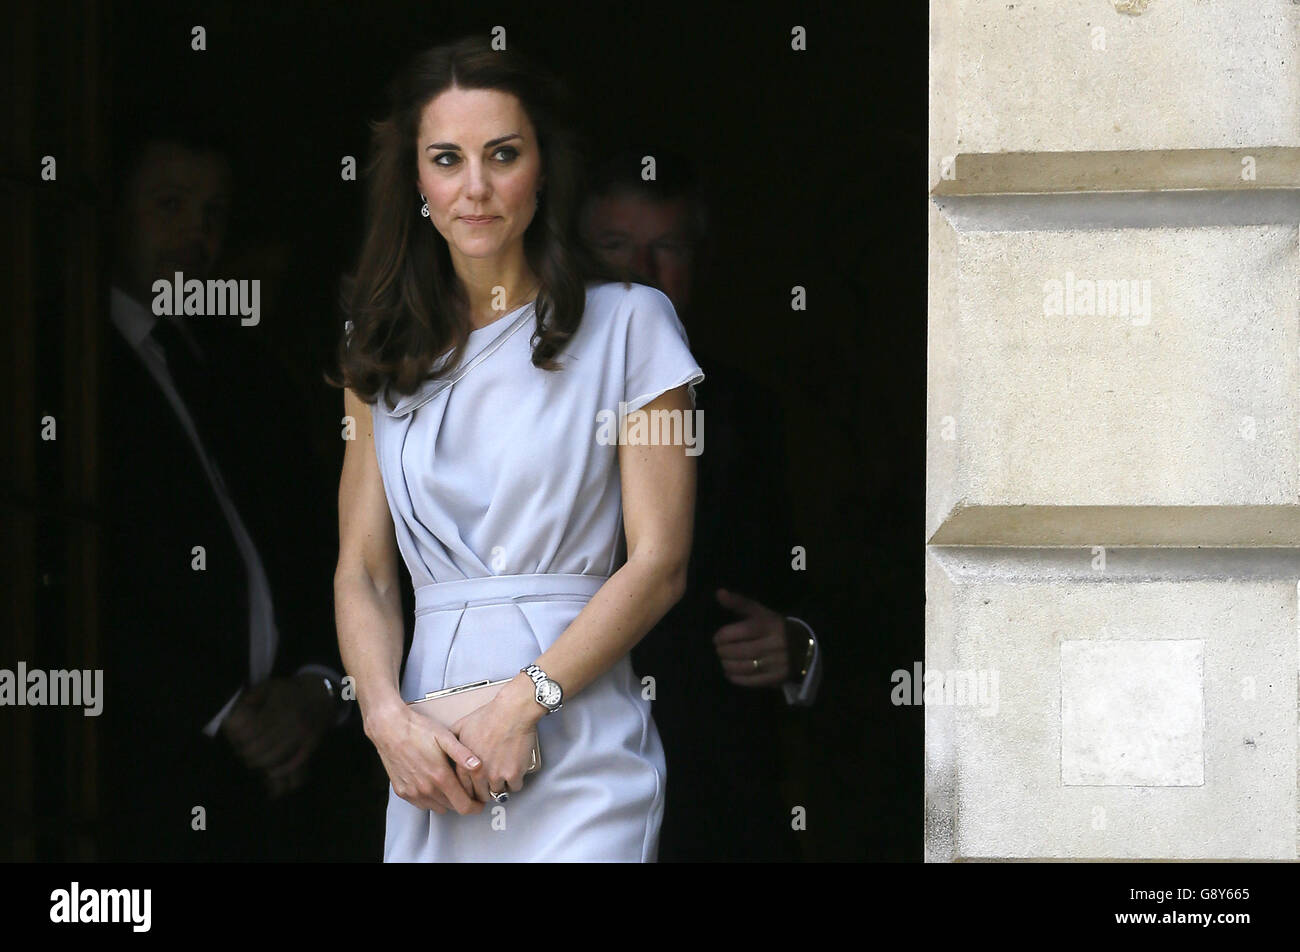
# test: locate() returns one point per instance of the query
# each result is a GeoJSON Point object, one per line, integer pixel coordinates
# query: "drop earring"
{"type": "Point", "coordinates": [424, 209]}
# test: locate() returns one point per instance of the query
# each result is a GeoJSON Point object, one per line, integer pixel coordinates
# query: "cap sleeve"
{"type": "Point", "coordinates": [658, 355]}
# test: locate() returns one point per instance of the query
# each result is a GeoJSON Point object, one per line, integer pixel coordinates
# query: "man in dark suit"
{"type": "Point", "coordinates": [216, 586]}
{"type": "Point", "coordinates": [730, 666]}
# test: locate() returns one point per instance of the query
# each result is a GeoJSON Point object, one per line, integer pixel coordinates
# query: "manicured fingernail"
{"type": "Point", "coordinates": [472, 762]}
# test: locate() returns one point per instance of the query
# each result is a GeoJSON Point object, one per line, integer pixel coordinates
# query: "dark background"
{"type": "Point", "coordinates": [816, 163]}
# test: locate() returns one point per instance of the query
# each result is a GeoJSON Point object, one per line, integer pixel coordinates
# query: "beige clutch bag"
{"type": "Point", "coordinates": [451, 704]}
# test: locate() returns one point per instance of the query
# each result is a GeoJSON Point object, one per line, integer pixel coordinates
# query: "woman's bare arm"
{"type": "Point", "coordinates": [658, 483]}
{"type": "Point", "coordinates": [367, 602]}
{"type": "Point", "coordinates": [368, 615]}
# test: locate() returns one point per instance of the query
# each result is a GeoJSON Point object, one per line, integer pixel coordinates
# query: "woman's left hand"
{"type": "Point", "coordinates": [503, 739]}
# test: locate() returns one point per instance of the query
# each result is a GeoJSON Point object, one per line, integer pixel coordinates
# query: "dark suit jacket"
{"type": "Point", "coordinates": [724, 798]}
{"type": "Point", "coordinates": [175, 642]}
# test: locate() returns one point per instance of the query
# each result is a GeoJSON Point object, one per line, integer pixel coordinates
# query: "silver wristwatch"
{"type": "Point", "coordinates": [549, 693]}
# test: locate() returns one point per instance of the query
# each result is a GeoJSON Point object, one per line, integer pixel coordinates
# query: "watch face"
{"type": "Point", "coordinates": [549, 692]}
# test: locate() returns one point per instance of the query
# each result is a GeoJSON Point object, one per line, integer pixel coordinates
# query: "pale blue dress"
{"type": "Point", "coordinates": [505, 495]}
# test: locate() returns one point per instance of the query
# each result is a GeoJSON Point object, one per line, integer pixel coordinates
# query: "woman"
{"type": "Point", "coordinates": [534, 540]}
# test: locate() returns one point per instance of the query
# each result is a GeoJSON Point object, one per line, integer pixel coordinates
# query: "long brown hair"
{"type": "Point", "coordinates": [406, 306]}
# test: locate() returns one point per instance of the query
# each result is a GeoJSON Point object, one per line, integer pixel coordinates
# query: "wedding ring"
{"type": "Point", "coordinates": [501, 797]}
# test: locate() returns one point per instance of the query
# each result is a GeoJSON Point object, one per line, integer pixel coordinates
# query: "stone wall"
{"type": "Point", "coordinates": [1113, 443]}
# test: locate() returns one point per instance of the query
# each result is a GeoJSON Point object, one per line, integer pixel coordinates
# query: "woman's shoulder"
{"type": "Point", "coordinates": [620, 301]}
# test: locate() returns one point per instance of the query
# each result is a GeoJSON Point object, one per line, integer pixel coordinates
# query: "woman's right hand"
{"type": "Point", "coordinates": [421, 758]}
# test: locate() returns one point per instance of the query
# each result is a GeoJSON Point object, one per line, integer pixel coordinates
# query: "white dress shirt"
{"type": "Point", "coordinates": [805, 692]}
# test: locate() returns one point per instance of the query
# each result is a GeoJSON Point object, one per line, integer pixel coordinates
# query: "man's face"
{"type": "Point", "coordinates": [651, 238]}
{"type": "Point", "coordinates": [173, 218]}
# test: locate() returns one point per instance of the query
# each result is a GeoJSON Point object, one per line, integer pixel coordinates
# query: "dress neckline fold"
{"type": "Point", "coordinates": [472, 358]}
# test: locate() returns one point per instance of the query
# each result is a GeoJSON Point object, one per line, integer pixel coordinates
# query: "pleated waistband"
{"type": "Point", "coordinates": [503, 589]}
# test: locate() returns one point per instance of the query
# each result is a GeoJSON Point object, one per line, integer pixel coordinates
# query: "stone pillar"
{"type": "Point", "coordinates": [1113, 430]}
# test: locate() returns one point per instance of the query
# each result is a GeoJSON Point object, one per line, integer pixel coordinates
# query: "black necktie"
{"type": "Point", "coordinates": [197, 384]}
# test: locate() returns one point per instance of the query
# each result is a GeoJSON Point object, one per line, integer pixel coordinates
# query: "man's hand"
{"type": "Point", "coordinates": [760, 635]}
{"type": "Point", "coordinates": [276, 726]}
